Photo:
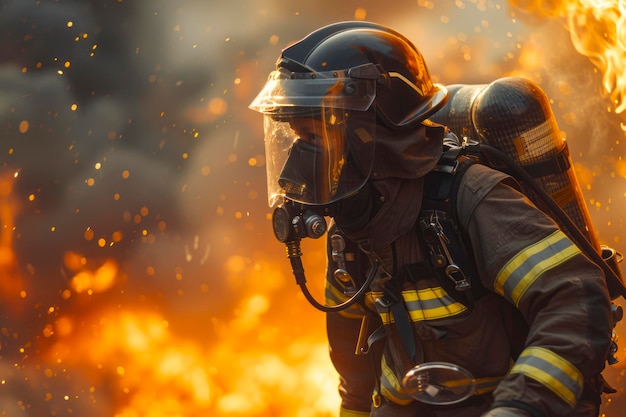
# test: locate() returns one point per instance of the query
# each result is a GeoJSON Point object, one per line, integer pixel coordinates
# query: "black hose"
{"type": "Point", "coordinates": [298, 272]}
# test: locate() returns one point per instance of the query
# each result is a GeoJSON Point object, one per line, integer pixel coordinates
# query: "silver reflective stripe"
{"type": "Point", "coordinates": [424, 304]}
{"type": "Point", "coordinates": [552, 371]}
{"type": "Point", "coordinates": [431, 304]}
{"type": "Point", "coordinates": [524, 268]}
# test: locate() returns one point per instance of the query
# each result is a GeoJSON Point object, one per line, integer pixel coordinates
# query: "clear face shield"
{"type": "Point", "coordinates": [319, 134]}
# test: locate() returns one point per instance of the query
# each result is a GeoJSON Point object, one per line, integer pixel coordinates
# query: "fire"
{"type": "Point", "coordinates": [99, 280]}
{"type": "Point", "coordinates": [155, 373]}
{"type": "Point", "coordinates": [598, 31]}
{"type": "Point", "coordinates": [105, 349]}
{"type": "Point", "coordinates": [138, 364]}
{"type": "Point", "coordinates": [12, 286]}
{"type": "Point", "coordinates": [94, 354]}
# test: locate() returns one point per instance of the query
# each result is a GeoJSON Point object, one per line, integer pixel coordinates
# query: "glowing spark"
{"type": "Point", "coordinates": [24, 126]}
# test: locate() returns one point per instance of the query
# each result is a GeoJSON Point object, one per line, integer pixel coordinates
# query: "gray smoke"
{"type": "Point", "coordinates": [129, 118]}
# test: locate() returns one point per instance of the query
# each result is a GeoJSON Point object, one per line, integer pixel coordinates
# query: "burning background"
{"type": "Point", "coordinates": [139, 273]}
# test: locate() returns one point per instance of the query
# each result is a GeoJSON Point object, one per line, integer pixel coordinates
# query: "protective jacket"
{"type": "Point", "coordinates": [541, 330]}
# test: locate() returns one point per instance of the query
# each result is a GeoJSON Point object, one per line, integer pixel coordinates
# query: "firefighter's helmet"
{"type": "Point", "coordinates": [324, 99]}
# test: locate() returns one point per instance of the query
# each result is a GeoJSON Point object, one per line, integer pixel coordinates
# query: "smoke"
{"type": "Point", "coordinates": [125, 136]}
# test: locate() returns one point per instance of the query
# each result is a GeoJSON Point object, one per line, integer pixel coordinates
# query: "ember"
{"type": "Point", "coordinates": [140, 276]}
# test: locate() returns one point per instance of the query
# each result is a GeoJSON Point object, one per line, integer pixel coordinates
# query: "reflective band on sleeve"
{"type": "Point", "coordinates": [552, 371]}
{"type": "Point", "coordinates": [391, 387]}
{"type": "Point", "coordinates": [525, 267]}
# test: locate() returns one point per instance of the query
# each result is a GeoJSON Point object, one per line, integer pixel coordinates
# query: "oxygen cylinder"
{"type": "Point", "coordinates": [457, 112]}
{"type": "Point", "coordinates": [514, 116]}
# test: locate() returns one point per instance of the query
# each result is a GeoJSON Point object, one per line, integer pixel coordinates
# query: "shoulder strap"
{"type": "Point", "coordinates": [450, 251]}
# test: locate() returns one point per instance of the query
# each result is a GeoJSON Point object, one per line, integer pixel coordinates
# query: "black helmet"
{"type": "Point", "coordinates": [405, 93]}
{"type": "Point", "coordinates": [352, 72]}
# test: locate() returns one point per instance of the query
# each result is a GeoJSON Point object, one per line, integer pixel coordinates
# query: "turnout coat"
{"type": "Point", "coordinates": [538, 335]}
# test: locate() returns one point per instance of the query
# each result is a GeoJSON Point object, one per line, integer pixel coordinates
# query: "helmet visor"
{"type": "Point", "coordinates": [318, 156]}
{"type": "Point", "coordinates": [286, 93]}
{"type": "Point", "coordinates": [319, 132]}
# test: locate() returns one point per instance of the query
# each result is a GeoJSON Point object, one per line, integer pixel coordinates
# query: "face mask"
{"type": "Point", "coordinates": [297, 177]}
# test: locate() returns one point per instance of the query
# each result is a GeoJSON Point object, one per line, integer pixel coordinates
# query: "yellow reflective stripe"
{"type": "Point", "coordinates": [390, 386]}
{"type": "Point", "coordinates": [334, 296]}
{"type": "Point", "coordinates": [343, 412]}
{"type": "Point", "coordinates": [424, 304]}
{"type": "Point", "coordinates": [552, 371]}
{"type": "Point", "coordinates": [386, 318]}
{"type": "Point", "coordinates": [525, 267]}
{"type": "Point", "coordinates": [430, 304]}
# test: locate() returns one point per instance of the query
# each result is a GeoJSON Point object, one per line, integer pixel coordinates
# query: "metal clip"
{"type": "Point", "coordinates": [443, 239]}
{"type": "Point", "coordinates": [384, 302]}
{"type": "Point", "coordinates": [376, 399]}
{"type": "Point", "coordinates": [458, 277]}
{"type": "Point", "coordinates": [341, 274]}
{"type": "Point", "coordinates": [361, 343]}
{"type": "Point", "coordinates": [452, 269]}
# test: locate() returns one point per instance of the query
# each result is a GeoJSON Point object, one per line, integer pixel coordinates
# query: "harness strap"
{"type": "Point", "coordinates": [392, 300]}
{"type": "Point", "coordinates": [379, 334]}
{"type": "Point", "coordinates": [439, 231]}
{"type": "Point", "coordinates": [557, 164]}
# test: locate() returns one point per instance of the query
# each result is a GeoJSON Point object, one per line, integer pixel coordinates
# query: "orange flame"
{"type": "Point", "coordinates": [243, 366]}
{"type": "Point", "coordinates": [158, 374]}
{"type": "Point", "coordinates": [598, 31]}
{"type": "Point", "coordinates": [96, 281]}
{"type": "Point", "coordinates": [12, 286]}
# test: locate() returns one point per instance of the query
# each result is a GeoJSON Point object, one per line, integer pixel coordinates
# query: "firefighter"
{"type": "Point", "coordinates": [348, 137]}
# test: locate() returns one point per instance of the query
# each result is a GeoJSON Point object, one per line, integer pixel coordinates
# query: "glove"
{"type": "Point", "coordinates": [506, 412]}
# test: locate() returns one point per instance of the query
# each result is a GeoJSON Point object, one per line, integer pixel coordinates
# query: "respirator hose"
{"type": "Point", "coordinates": [294, 254]}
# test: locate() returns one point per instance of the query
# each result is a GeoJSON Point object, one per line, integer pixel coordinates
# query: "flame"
{"type": "Point", "coordinates": [122, 353]}
{"type": "Point", "coordinates": [598, 31]}
{"type": "Point", "coordinates": [99, 280]}
{"type": "Point", "coordinates": [12, 286]}
{"type": "Point", "coordinates": [158, 374]}
{"type": "Point", "coordinates": [246, 365]}
{"type": "Point", "coordinates": [130, 360]}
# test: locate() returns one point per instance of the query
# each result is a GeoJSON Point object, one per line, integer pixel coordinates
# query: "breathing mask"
{"type": "Point", "coordinates": [319, 134]}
